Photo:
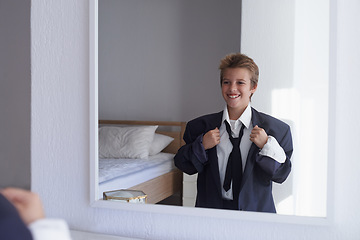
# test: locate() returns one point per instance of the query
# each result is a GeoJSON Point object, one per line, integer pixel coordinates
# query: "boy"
{"type": "Point", "coordinates": [22, 217]}
{"type": "Point", "coordinates": [240, 177]}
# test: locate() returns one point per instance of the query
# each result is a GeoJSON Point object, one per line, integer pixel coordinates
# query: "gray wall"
{"type": "Point", "coordinates": [15, 87]}
{"type": "Point", "coordinates": [158, 60]}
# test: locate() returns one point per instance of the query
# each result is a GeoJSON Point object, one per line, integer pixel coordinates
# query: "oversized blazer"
{"type": "Point", "coordinates": [259, 173]}
{"type": "Point", "coordinates": [11, 225]}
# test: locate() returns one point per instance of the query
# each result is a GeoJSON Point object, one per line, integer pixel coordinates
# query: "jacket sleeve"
{"type": "Point", "coordinates": [192, 157]}
{"type": "Point", "coordinates": [278, 172]}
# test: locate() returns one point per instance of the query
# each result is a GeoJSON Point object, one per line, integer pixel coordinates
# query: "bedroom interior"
{"type": "Point", "coordinates": [59, 126]}
{"type": "Point", "coordinates": [118, 62]}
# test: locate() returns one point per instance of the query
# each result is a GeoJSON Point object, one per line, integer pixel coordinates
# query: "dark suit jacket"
{"type": "Point", "coordinates": [259, 172]}
{"type": "Point", "coordinates": [11, 225]}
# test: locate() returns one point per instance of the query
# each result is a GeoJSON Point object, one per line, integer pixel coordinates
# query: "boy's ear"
{"type": "Point", "coordinates": [253, 89]}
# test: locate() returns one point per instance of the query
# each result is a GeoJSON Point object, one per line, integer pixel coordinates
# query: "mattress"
{"type": "Point", "coordinates": [115, 174]}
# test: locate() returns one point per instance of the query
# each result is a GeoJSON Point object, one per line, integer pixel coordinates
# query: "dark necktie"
{"type": "Point", "coordinates": [234, 165]}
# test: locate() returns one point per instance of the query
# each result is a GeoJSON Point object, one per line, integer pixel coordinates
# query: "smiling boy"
{"type": "Point", "coordinates": [239, 177]}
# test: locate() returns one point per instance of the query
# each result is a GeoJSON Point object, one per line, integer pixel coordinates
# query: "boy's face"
{"type": "Point", "coordinates": [236, 88]}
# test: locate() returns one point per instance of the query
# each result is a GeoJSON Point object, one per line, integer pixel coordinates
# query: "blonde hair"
{"type": "Point", "coordinates": [239, 60]}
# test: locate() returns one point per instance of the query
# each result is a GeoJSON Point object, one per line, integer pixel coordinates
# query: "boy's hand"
{"type": "Point", "coordinates": [27, 203]}
{"type": "Point", "coordinates": [258, 136]}
{"type": "Point", "coordinates": [211, 139]}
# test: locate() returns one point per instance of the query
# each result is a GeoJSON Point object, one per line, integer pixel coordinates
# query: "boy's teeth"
{"type": "Point", "coordinates": [233, 96]}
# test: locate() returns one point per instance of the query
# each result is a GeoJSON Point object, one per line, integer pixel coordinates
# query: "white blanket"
{"type": "Point", "coordinates": [113, 168]}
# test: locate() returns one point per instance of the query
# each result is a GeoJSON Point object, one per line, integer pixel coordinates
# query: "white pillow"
{"type": "Point", "coordinates": [125, 142]}
{"type": "Point", "coordinates": [159, 143]}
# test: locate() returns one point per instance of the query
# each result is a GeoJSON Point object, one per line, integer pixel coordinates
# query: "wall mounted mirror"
{"type": "Point", "coordinates": [157, 60]}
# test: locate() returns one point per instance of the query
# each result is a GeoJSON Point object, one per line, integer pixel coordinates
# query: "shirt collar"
{"type": "Point", "coordinates": [245, 118]}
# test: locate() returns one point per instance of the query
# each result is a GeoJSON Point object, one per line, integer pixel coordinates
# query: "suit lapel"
{"type": "Point", "coordinates": [212, 153]}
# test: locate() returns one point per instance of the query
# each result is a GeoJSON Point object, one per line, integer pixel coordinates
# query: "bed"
{"type": "Point", "coordinates": [155, 174]}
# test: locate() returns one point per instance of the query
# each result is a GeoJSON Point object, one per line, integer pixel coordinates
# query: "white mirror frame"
{"type": "Point", "coordinates": [203, 212]}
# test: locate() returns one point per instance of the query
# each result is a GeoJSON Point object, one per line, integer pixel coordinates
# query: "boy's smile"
{"type": "Point", "coordinates": [236, 90]}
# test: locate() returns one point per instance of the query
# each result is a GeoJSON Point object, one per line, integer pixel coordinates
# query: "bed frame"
{"type": "Point", "coordinates": [168, 184]}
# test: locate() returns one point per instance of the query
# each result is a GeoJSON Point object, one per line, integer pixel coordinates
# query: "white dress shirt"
{"type": "Point", "coordinates": [271, 148]}
{"type": "Point", "coordinates": [48, 228]}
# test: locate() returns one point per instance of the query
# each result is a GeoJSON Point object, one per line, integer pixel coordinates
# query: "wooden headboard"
{"type": "Point", "coordinates": [173, 129]}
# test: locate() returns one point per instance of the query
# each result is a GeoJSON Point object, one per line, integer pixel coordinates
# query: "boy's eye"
{"type": "Point", "coordinates": [240, 82]}
{"type": "Point", "coordinates": [225, 82]}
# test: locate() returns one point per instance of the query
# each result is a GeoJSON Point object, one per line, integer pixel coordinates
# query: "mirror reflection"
{"type": "Point", "coordinates": [158, 61]}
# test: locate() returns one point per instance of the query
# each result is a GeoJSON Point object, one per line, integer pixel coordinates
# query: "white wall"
{"type": "Point", "coordinates": [15, 82]}
{"type": "Point", "coordinates": [158, 60]}
{"type": "Point", "coordinates": [293, 86]}
{"type": "Point", "coordinates": [60, 152]}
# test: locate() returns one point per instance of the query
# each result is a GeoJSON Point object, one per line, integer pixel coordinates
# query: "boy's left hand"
{"type": "Point", "coordinates": [258, 136]}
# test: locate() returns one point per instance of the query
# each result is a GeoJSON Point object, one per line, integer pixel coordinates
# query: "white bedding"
{"type": "Point", "coordinates": [112, 168]}
{"type": "Point", "coordinates": [125, 173]}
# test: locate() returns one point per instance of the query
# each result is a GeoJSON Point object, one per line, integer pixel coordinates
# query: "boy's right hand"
{"type": "Point", "coordinates": [211, 139]}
